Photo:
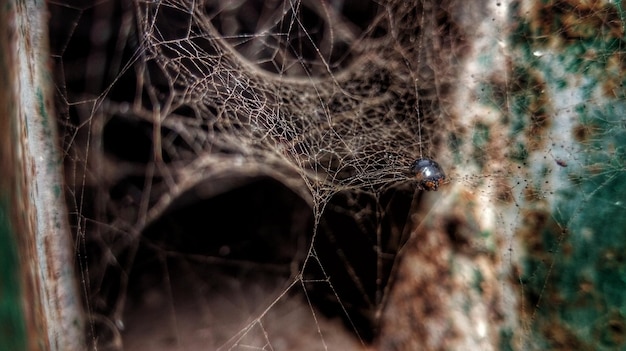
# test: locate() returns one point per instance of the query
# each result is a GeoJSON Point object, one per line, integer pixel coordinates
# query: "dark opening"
{"type": "Point", "coordinates": [198, 261]}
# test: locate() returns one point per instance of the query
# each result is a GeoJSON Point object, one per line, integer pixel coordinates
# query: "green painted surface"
{"type": "Point", "coordinates": [12, 326]}
{"type": "Point", "coordinates": [574, 280]}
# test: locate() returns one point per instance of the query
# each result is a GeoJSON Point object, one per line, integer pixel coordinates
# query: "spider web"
{"type": "Point", "coordinates": [237, 172]}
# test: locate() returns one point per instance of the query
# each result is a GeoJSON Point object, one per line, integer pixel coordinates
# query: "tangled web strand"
{"type": "Point", "coordinates": [323, 99]}
{"type": "Point", "coordinates": [353, 129]}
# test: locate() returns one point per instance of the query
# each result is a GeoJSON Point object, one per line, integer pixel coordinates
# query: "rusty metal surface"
{"type": "Point", "coordinates": [33, 188]}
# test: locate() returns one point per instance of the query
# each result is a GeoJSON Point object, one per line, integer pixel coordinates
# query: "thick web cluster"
{"type": "Point", "coordinates": [184, 121]}
{"type": "Point", "coordinates": [294, 87]}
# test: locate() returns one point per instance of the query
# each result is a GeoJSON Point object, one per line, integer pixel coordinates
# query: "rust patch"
{"type": "Point", "coordinates": [534, 222]}
{"type": "Point", "coordinates": [612, 83]}
{"type": "Point", "coordinates": [568, 20]}
{"type": "Point", "coordinates": [614, 330]}
{"type": "Point", "coordinates": [459, 231]}
{"type": "Point", "coordinates": [504, 192]}
{"type": "Point", "coordinates": [539, 115]}
{"type": "Point", "coordinates": [419, 293]}
{"type": "Point", "coordinates": [562, 338]}
{"type": "Point", "coordinates": [531, 194]}
{"type": "Point", "coordinates": [536, 105]}
{"type": "Point", "coordinates": [583, 133]}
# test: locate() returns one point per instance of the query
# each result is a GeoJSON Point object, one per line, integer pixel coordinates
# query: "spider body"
{"type": "Point", "coordinates": [428, 173]}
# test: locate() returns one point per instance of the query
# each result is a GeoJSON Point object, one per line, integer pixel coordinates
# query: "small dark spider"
{"type": "Point", "coordinates": [428, 174]}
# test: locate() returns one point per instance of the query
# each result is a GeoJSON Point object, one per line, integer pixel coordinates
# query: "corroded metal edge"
{"type": "Point", "coordinates": [52, 307]}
